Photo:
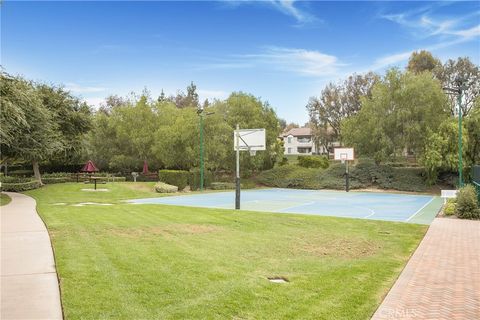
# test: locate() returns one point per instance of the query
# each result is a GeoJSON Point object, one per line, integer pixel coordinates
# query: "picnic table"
{"type": "Point", "coordinates": [95, 180]}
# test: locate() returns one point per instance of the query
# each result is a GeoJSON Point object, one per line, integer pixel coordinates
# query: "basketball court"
{"type": "Point", "coordinates": [362, 205]}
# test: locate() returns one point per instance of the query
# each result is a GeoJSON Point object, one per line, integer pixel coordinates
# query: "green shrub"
{"type": "Point", "coordinates": [177, 178]}
{"type": "Point", "coordinates": [194, 179]}
{"type": "Point", "coordinates": [313, 161]}
{"type": "Point", "coordinates": [467, 204]}
{"type": "Point", "coordinates": [51, 180]}
{"type": "Point", "coordinates": [165, 188]}
{"type": "Point", "coordinates": [117, 179]}
{"type": "Point", "coordinates": [14, 179]}
{"type": "Point", "coordinates": [366, 174]}
{"type": "Point", "coordinates": [288, 176]}
{"type": "Point", "coordinates": [222, 185]}
{"type": "Point", "coordinates": [21, 173]}
{"type": "Point", "coordinates": [20, 186]}
{"type": "Point", "coordinates": [283, 162]}
{"type": "Point", "coordinates": [449, 208]}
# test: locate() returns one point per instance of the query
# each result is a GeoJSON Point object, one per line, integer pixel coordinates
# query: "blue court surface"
{"type": "Point", "coordinates": [363, 205]}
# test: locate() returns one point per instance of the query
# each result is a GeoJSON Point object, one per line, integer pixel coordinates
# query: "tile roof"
{"type": "Point", "coordinates": [298, 132]}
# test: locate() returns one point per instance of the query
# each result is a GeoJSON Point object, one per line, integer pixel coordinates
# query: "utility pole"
{"type": "Point", "coordinates": [201, 149]}
{"type": "Point", "coordinates": [460, 162]}
{"type": "Point", "coordinates": [237, 174]}
{"type": "Point", "coordinates": [460, 82]}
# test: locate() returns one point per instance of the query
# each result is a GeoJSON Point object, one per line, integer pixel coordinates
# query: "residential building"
{"type": "Point", "coordinates": [299, 141]}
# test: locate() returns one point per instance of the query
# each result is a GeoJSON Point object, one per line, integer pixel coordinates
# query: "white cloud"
{"type": "Point", "coordinates": [445, 32]}
{"type": "Point", "coordinates": [76, 88]}
{"type": "Point", "coordinates": [469, 33]}
{"type": "Point", "coordinates": [390, 60]}
{"type": "Point", "coordinates": [287, 7]}
{"type": "Point", "coordinates": [424, 24]}
{"type": "Point", "coordinates": [300, 61]}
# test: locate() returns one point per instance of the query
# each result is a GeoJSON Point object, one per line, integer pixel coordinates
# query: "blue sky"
{"type": "Point", "coordinates": [281, 51]}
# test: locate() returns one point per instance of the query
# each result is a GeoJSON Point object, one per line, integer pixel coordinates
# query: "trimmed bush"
{"type": "Point", "coordinates": [313, 162]}
{"type": "Point", "coordinates": [165, 188]}
{"type": "Point", "coordinates": [222, 185]}
{"type": "Point", "coordinates": [467, 204]}
{"type": "Point", "coordinates": [449, 208]}
{"type": "Point", "coordinates": [21, 173]}
{"type": "Point", "coordinates": [51, 180]}
{"type": "Point", "coordinates": [194, 179]}
{"type": "Point", "coordinates": [20, 186]}
{"type": "Point", "coordinates": [177, 178]}
{"type": "Point", "coordinates": [11, 179]}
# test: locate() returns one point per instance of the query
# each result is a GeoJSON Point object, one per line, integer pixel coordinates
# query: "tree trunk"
{"type": "Point", "coordinates": [36, 171]}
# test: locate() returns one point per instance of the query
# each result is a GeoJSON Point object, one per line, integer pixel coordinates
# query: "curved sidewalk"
{"type": "Point", "coordinates": [442, 279]}
{"type": "Point", "coordinates": [29, 285]}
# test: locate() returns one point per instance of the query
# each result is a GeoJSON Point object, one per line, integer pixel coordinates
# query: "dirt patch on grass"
{"type": "Point", "coordinates": [340, 247]}
{"type": "Point", "coordinates": [139, 186]}
{"type": "Point", "coordinates": [167, 231]}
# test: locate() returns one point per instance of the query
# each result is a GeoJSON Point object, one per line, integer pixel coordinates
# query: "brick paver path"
{"type": "Point", "coordinates": [442, 279]}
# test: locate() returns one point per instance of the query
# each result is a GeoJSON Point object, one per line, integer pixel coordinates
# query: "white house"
{"type": "Point", "coordinates": [299, 141]}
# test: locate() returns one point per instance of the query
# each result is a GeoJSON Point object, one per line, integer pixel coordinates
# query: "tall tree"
{"type": "Point", "coordinates": [337, 102]}
{"type": "Point", "coordinates": [462, 68]}
{"type": "Point", "coordinates": [189, 100]}
{"type": "Point", "coordinates": [397, 117]}
{"type": "Point", "coordinates": [36, 136]}
{"type": "Point", "coordinates": [423, 61]}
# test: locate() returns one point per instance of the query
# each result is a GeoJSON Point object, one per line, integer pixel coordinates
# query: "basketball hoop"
{"type": "Point", "coordinates": [343, 157]}
{"type": "Point", "coordinates": [252, 152]}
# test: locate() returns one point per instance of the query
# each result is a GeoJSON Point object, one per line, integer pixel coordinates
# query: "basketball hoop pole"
{"type": "Point", "coordinates": [237, 175]}
{"type": "Point", "coordinates": [346, 176]}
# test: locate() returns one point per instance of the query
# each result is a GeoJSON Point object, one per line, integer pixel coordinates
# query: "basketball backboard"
{"type": "Point", "coordinates": [249, 139]}
{"type": "Point", "coordinates": [344, 154]}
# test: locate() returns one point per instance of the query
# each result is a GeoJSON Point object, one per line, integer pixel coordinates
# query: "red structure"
{"type": "Point", "coordinates": [145, 167]}
{"type": "Point", "coordinates": [89, 167]}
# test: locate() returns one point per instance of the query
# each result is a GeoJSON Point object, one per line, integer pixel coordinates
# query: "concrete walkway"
{"type": "Point", "coordinates": [442, 279]}
{"type": "Point", "coordinates": [29, 286]}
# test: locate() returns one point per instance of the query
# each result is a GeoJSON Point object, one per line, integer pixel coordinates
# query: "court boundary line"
{"type": "Point", "coordinates": [371, 214]}
{"type": "Point", "coordinates": [291, 207]}
{"type": "Point", "coordinates": [418, 211]}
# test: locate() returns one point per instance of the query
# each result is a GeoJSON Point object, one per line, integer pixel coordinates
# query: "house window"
{"type": "Point", "coordinates": [304, 140]}
{"type": "Point", "coordinates": [289, 150]}
{"type": "Point", "coordinates": [289, 140]}
{"type": "Point", "coordinates": [304, 150]}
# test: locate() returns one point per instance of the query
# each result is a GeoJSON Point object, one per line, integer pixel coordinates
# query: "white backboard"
{"type": "Point", "coordinates": [344, 154]}
{"type": "Point", "coordinates": [249, 139]}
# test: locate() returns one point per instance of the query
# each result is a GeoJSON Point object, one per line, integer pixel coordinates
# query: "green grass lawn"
{"type": "Point", "coordinates": [4, 199]}
{"type": "Point", "coordinates": [127, 261]}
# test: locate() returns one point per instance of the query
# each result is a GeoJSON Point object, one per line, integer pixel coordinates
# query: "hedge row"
{"type": "Point", "coordinates": [52, 180]}
{"type": "Point", "coordinates": [20, 186]}
{"type": "Point", "coordinates": [365, 174]}
{"type": "Point", "coordinates": [194, 179]}
{"type": "Point", "coordinates": [177, 178]}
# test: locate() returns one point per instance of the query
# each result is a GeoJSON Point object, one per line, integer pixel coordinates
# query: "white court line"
{"type": "Point", "coordinates": [371, 214]}
{"type": "Point", "coordinates": [426, 204]}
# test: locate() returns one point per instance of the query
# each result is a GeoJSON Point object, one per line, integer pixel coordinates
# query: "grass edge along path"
{"type": "Point", "coordinates": [4, 199]}
{"type": "Point", "coordinates": [124, 261]}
